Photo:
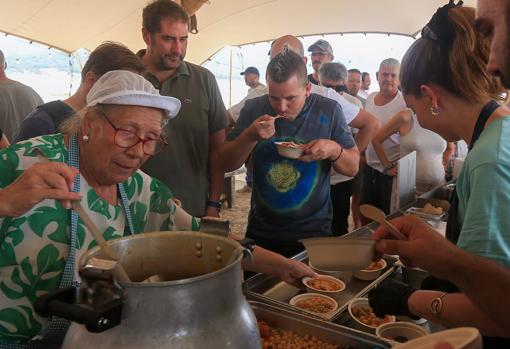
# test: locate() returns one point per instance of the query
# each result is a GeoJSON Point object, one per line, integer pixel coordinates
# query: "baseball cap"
{"type": "Point", "coordinates": [251, 70]}
{"type": "Point", "coordinates": [123, 87]}
{"type": "Point", "coordinates": [321, 45]}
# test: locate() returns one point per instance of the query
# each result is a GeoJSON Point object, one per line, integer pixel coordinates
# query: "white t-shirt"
{"type": "Point", "coordinates": [253, 92]}
{"type": "Point", "coordinates": [363, 94]}
{"type": "Point", "coordinates": [350, 110]}
{"type": "Point", "coordinates": [384, 113]}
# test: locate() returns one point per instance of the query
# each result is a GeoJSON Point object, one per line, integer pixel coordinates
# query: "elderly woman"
{"type": "Point", "coordinates": [105, 144]}
{"type": "Point", "coordinates": [445, 81]}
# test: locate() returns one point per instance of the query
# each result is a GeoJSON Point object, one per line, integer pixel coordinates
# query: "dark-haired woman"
{"type": "Point", "coordinates": [445, 81]}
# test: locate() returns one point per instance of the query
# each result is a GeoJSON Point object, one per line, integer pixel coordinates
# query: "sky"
{"type": "Point", "coordinates": [55, 75]}
{"type": "Point", "coordinates": [364, 52]}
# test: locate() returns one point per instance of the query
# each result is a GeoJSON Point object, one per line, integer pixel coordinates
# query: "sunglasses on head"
{"type": "Point", "coordinates": [337, 88]}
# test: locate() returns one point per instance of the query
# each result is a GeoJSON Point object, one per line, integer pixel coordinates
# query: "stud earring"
{"type": "Point", "coordinates": [85, 139]}
{"type": "Point", "coordinates": [435, 111]}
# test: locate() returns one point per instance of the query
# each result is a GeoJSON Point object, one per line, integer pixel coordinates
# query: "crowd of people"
{"type": "Point", "coordinates": [146, 129]}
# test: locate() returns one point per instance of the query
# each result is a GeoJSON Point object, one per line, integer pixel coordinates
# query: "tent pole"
{"type": "Point", "coordinates": [230, 78]}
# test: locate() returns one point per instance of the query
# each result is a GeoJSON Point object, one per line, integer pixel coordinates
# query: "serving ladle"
{"type": "Point", "coordinates": [377, 215]}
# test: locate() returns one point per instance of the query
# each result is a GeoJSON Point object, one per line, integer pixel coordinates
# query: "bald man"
{"type": "Point", "coordinates": [16, 101]}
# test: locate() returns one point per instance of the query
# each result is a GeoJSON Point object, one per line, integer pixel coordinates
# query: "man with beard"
{"type": "Point", "coordinates": [321, 52]}
{"type": "Point", "coordinates": [199, 129]}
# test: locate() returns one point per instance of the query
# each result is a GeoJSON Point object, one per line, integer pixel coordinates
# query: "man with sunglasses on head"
{"type": "Point", "coordinates": [333, 75]}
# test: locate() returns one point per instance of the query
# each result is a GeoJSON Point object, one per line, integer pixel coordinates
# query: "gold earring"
{"type": "Point", "coordinates": [85, 139]}
{"type": "Point", "coordinates": [435, 111]}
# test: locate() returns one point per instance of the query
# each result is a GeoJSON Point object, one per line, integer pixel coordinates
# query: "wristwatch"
{"type": "Point", "coordinates": [215, 204]}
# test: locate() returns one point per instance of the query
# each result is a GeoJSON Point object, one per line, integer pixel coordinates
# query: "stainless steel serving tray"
{"type": "Point", "coordinates": [303, 325]}
{"type": "Point", "coordinates": [270, 290]}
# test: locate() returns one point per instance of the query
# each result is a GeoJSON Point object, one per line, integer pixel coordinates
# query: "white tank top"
{"type": "Point", "coordinates": [429, 148]}
{"type": "Point", "coordinates": [384, 113]}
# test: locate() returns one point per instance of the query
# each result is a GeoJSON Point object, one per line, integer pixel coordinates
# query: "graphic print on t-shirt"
{"type": "Point", "coordinates": [282, 185]}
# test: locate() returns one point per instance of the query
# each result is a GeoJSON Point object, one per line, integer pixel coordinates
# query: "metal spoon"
{"type": "Point", "coordinates": [377, 215]}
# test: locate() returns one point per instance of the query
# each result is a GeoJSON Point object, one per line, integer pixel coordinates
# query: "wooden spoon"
{"type": "Point", "coordinates": [377, 215]}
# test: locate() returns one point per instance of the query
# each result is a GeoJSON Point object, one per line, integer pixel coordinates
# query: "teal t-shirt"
{"type": "Point", "coordinates": [483, 189]}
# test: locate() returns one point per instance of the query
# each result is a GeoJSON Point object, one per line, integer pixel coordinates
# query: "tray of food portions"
{"type": "Point", "coordinates": [280, 328]}
{"type": "Point", "coordinates": [324, 297]}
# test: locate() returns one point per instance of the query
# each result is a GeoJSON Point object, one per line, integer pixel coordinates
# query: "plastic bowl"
{"type": "Point", "coordinates": [334, 294]}
{"type": "Point", "coordinates": [326, 315]}
{"type": "Point", "coordinates": [400, 332]}
{"type": "Point", "coordinates": [333, 253]}
{"type": "Point", "coordinates": [369, 275]}
{"type": "Point", "coordinates": [344, 275]}
{"type": "Point", "coordinates": [363, 302]}
{"type": "Point", "coordinates": [458, 338]}
{"type": "Point", "coordinates": [287, 151]}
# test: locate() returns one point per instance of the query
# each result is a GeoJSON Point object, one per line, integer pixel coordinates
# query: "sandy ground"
{"type": "Point", "coordinates": [238, 214]}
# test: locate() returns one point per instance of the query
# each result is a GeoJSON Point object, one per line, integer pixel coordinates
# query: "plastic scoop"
{"type": "Point", "coordinates": [377, 215]}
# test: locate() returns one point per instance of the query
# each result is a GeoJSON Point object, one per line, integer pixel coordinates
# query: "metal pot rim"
{"type": "Point", "coordinates": [213, 274]}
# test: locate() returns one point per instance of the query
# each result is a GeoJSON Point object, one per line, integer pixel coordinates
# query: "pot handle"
{"type": "Point", "coordinates": [61, 303]}
{"type": "Point", "coordinates": [248, 247]}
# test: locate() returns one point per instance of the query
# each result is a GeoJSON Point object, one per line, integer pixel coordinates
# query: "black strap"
{"type": "Point", "coordinates": [57, 110]}
{"type": "Point", "coordinates": [453, 225]}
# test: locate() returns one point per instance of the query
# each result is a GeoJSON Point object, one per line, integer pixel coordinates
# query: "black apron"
{"type": "Point", "coordinates": [453, 225]}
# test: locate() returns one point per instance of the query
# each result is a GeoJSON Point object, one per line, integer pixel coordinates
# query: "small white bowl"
{"type": "Point", "coordinates": [363, 303]}
{"type": "Point", "coordinates": [334, 294]}
{"type": "Point", "coordinates": [344, 275]}
{"type": "Point", "coordinates": [458, 338]}
{"type": "Point", "coordinates": [369, 275]}
{"type": "Point", "coordinates": [400, 332]}
{"type": "Point", "coordinates": [327, 315]}
{"type": "Point", "coordinates": [342, 253]}
{"type": "Point", "coordinates": [288, 152]}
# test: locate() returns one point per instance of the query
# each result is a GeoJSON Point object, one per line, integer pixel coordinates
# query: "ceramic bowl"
{"type": "Point", "coordinates": [344, 275]}
{"type": "Point", "coordinates": [458, 338]}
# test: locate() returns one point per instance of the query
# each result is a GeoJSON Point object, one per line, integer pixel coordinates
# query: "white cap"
{"type": "Point", "coordinates": [126, 88]}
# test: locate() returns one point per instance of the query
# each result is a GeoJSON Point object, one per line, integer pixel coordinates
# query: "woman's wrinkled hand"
{"type": "Point", "coordinates": [294, 272]}
{"type": "Point", "coordinates": [41, 181]}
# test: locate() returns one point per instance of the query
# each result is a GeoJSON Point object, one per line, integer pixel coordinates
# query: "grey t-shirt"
{"type": "Point", "coordinates": [16, 102]}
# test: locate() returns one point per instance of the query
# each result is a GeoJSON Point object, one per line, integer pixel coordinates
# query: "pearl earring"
{"type": "Point", "coordinates": [435, 111]}
{"type": "Point", "coordinates": [85, 139]}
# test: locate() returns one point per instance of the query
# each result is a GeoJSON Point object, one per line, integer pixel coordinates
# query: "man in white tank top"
{"type": "Point", "coordinates": [383, 105]}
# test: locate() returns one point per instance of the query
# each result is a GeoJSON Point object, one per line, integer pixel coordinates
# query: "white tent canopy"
{"type": "Point", "coordinates": [71, 24]}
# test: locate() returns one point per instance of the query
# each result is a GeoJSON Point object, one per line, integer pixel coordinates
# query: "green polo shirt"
{"type": "Point", "coordinates": [182, 165]}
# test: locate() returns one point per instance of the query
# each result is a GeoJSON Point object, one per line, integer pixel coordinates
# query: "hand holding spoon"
{"type": "Point", "coordinates": [377, 215]}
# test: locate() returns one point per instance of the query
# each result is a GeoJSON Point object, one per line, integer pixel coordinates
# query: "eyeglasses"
{"type": "Point", "coordinates": [337, 88]}
{"type": "Point", "coordinates": [127, 139]}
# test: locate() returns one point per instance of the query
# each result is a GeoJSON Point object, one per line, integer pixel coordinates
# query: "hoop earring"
{"type": "Point", "coordinates": [435, 111]}
{"type": "Point", "coordinates": [85, 139]}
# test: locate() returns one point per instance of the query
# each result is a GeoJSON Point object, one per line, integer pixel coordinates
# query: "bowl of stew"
{"type": "Point", "coordinates": [290, 150]}
{"type": "Point", "coordinates": [364, 317]}
{"type": "Point", "coordinates": [372, 271]}
{"type": "Point", "coordinates": [324, 284]}
{"type": "Point", "coordinates": [316, 304]}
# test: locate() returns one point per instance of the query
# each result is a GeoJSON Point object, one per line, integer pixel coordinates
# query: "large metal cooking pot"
{"type": "Point", "coordinates": [201, 306]}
